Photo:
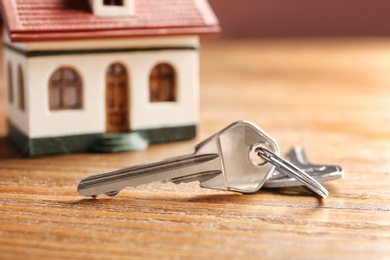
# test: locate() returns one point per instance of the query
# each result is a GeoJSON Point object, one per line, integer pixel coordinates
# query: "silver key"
{"type": "Point", "coordinates": [228, 160]}
{"type": "Point", "coordinates": [319, 172]}
{"type": "Point", "coordinates": [219, 162]}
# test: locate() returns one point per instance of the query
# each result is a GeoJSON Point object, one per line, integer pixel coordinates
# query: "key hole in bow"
{"type": "Point", "coordinates": [253, 154]}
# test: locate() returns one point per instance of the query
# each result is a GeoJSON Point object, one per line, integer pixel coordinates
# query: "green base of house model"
{"type": "Point", "coordinates": [100, 142]}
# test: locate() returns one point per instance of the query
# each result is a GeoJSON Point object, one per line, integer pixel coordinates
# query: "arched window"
{"type": "Point", "coordinates": [10, 83]}
{"type": "Point", "coordinates": [21, 88]}
{"type": "Point", "coordinates": [162, 83]}
{"type": "Point", "coordinates": [65, 89]}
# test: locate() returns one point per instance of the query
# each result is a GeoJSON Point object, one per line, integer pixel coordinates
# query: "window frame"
{"type": "Point", "coordinates": [170, 95]}
{"type": "Point", "coordinates": [63, 84]}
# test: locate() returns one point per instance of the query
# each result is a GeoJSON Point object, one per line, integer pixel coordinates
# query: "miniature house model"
{"type": "Point", "coordinates": [76, 70]}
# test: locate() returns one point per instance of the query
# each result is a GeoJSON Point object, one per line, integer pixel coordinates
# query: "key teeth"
{"type": "Point", "coordinates": [297, 155]}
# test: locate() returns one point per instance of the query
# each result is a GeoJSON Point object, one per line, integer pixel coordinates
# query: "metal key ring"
{"type": "Point", "coordinates": [292, 171]}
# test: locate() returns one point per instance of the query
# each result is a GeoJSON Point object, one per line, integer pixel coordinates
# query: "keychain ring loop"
{"type": "Point", "coordinates": [292, 171]}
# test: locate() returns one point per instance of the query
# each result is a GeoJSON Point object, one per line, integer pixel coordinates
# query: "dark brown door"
{"type": "Point", "coordinates": [117, 103]}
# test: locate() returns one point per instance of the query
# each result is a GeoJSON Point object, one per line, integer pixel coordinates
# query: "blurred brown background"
{"type": "Point", "coordinates": [303, 18]}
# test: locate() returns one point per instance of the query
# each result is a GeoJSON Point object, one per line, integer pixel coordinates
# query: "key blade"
{"type": "Point", "coordinates": [200, 177]}
{"type": "Point", "coordinates": [112, 182]}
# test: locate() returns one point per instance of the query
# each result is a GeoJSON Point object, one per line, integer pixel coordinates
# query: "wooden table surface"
{"type": "Point", "coordinates": [331, 97]}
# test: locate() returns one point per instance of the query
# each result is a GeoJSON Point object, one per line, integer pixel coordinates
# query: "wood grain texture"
{"type": "Point", "coordinates": [329, 96]}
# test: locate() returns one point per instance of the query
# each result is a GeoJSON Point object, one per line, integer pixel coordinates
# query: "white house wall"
{"type": "Point", "coordinates": [92, 70]}
{"type": "Point", "coordinates": [16, 116]}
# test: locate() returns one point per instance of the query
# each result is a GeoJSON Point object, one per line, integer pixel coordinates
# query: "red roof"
{"type": "Point", "coordinates": [43, 20]}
